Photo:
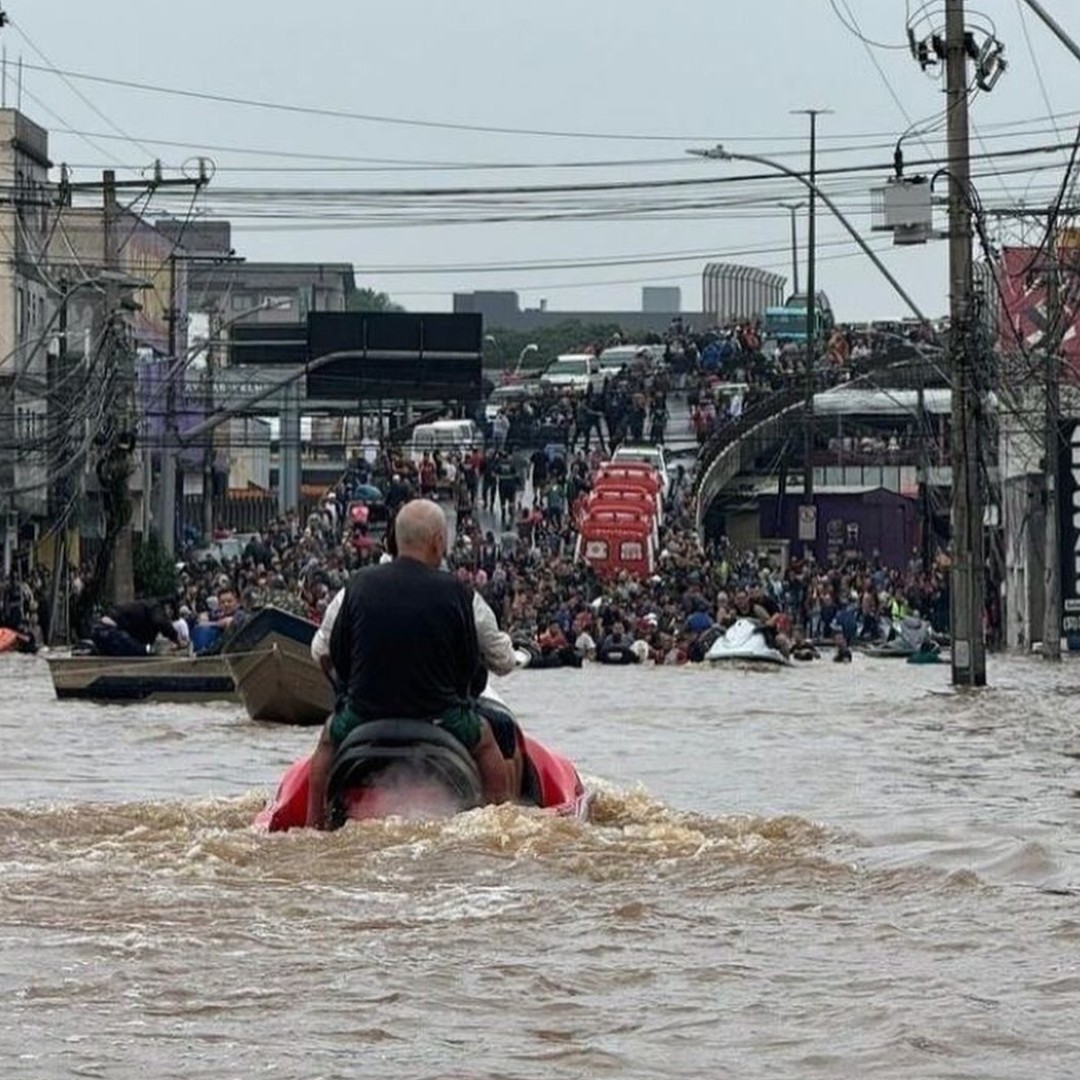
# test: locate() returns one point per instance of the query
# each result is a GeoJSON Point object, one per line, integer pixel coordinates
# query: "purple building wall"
{"type": "Point", "coordinates": [881, 521]}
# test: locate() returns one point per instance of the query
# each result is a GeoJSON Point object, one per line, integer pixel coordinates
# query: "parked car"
{"type": "Point", "coordinates": [574, 371]}
{"type": "Point", "coordinates": [444, 435]}
{"type": "Point", "coordinates": [634, 357]}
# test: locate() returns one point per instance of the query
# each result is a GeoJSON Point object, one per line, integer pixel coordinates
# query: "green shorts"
{"type": "Point", "coordinates": [461, 721]}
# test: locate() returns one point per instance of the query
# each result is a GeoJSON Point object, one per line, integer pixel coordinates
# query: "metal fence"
{"type": "Point", "coordinates": [241, 513]}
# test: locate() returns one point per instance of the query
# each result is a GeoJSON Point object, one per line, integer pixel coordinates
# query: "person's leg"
{"type": "Point", "coordinates": [112, 641]}
{"type": "Point", "coordinates": [495, 771]}
{"type": "Point", "coordinates": [474, 732]}
{"type": "Point", "coordinates": [341, 722]}
{"type": "Point", "coordinates": [318, 775]}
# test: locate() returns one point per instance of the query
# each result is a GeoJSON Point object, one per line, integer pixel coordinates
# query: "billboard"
{"type": "Point", "coordinates": [1022, 277]}
{"type": "Point", "coordinates": [394, 355]}
{"type": "Point", "coordinates": [268, 344]}
{"type": "Point", "coordinates": [152, 397]}
{"type": "Point", "coordinates": [1069, 520]}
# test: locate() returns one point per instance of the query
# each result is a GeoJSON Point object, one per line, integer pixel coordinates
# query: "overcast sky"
{"type": "Point", "coordinates": [688, 72]}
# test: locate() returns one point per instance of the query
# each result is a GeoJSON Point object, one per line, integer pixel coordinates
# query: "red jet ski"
{"type": "Point", "coordinates": [411, 768]}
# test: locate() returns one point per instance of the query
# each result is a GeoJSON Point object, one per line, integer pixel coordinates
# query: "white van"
{"type": "Point", "coordinates": [446, 436]}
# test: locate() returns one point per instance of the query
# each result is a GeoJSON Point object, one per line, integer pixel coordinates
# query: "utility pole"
{"type": "Point", "coordinates": [967, 583]}
{"type": "Point", "coordinates": [794, 208]}
{"type": "Point", "coordinates": [168, 441]}
{"type": "Point", "coordinates": [208, 450]}
{"type": "Point", "coordinates": [114, 571]}
{"type": "Point", "coordinates": [61, 489]}
{"type": "Point", "coordinates": [811, 334]}
{"type": "Point", "coordinates": [1051, 637]}
{"type": "Point", "coordinates": [119, 363]}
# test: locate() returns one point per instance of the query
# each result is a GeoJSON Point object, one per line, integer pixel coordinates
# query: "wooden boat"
{"type": "Point", "coordinates": [153, 678]}
{"type": "Point", "coordinates": [277, 680]}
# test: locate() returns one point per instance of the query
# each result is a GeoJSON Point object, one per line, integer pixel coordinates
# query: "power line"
{"type": "Point", "coordinates": [77, 92]}
{"type": "Point", "coordinates": [853, 28]}
{"type": "Point", "coordinates": [343, 114]}
{"type": "Point", "coordinates": [611, 186]}
{"type": "Point", "coordinates": [56, 116]}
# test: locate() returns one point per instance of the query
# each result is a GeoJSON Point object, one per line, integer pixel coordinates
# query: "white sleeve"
{"type": "Point", "coordinates": [320, 643]}
{"type": "Point", "coordinates": [496, 648]}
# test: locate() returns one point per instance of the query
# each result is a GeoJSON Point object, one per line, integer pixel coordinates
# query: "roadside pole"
{"type": "Point", "coordinates": [120, 363]}
{"type": "Point", "coordinates": [169, 447]}
{"type": "Point", "coordinates": [968, 560]}
{"type": "Point", "coordinates": [214, 330]}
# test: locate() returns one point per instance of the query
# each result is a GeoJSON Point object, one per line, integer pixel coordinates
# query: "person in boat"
{"type": "Point", "coordinates": [231, 616]}
{"type": "Point", "coordinates": [404, 645]}
{"type": "Point", "coordinates": [616, 644]}
{"type": "Point", "coordinates": [497, 655]}
{"type": "Point", "coordinates": [131, 629]}
{"type": "Point", "coordinates": [552, 640]}
{"type": "Point", "coordinates": [754, 603]}
{"type": "Point", "coordinates": [497, 652]}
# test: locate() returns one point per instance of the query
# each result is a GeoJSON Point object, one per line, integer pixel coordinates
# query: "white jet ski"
{"type": "Point", "coordinates": [745, 642]}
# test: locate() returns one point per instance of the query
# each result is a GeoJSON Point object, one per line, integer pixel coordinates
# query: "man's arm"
{"type": "Point", "coordinates": [163, 625]}
{"type": "Point", "coordinates": [320, 643]}
{"type": "Point", "coordinates": [496, 648]}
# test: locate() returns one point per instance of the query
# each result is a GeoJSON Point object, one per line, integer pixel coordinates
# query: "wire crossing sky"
{"type": "Point", "coordinates": [537, 146]}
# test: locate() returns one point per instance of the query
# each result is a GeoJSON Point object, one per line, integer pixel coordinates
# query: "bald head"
{"type": "Point", "coordinates": [420, 532]}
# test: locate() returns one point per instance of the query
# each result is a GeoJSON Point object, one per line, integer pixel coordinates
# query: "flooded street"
{"type": "Point", "coordinates": [827, 871]}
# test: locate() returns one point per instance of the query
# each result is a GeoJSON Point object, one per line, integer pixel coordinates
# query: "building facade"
{"type": "Point", "coordinates": [26, 311]}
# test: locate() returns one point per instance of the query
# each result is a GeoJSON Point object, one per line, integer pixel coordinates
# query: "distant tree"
{"type": "Point", "coordinates": [155, 571]}
{"type": "Point", "coordinates": [370, 300]}
{"type": "Point", "coordinates": [570, 336]}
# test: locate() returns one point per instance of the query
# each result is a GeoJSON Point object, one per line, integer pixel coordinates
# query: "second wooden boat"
{"type": "Point", "coordinates": [277, 679]}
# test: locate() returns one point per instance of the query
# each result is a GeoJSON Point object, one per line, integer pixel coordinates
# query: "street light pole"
{"type": "Point", "coordinates": [718, 152]}
{"type": "Point", "coordinates": [811, 320]}
{"type": "Point", "coordinates": [530, 348]}
{"type": "Point", "coordinates": [794, 208]}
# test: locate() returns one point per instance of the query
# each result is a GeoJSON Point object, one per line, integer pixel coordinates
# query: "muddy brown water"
{"type": "Point", "coordinates": [821, 872]}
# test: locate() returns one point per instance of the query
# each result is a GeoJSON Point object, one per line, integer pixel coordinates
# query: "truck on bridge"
{"type": "Point", "coordinates": [788, 323]}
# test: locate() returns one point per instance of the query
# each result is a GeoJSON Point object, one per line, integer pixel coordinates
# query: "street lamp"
{"type": "Point", "coordinates": [530, 348]}
{"type": "Point", "coordinates": [810, 183]}
{"type": "Point", "coordinates": [718, 153]}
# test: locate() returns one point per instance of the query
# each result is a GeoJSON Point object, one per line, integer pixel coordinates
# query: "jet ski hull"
{"type": "Point", "coordinates": [744, 644]}
{"type": "Point", "coordinates": [420, 773]}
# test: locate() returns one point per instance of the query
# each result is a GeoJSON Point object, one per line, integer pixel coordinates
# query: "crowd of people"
{"type": "Point", "coordinates": [514, 502]}
{"type": "Point", "coordinates": [516, 546]}
{"type": "Point", "coordinates": [542, 595]}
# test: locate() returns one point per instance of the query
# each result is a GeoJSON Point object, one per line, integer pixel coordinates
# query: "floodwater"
{"type": "Point", "coordinates": [829, 871]}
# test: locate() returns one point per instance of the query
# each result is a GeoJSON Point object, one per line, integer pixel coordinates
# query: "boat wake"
{"type": "Point", "coordinates": [628, 831]}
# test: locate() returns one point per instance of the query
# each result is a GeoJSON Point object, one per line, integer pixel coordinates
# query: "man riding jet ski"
{"type": "Point", "coordinates": [406, 644]}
